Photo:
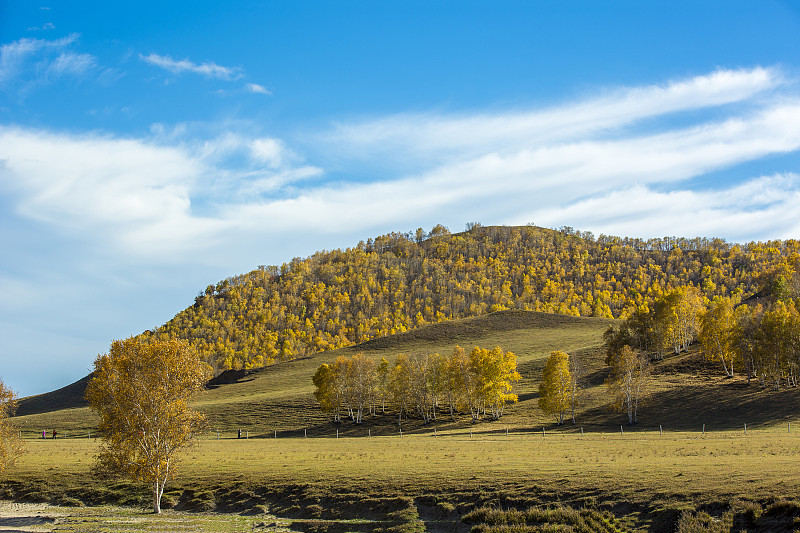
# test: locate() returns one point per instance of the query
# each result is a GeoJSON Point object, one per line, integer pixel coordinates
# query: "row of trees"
{"type": "Point", "coordinates": [398, 282]}
{"type": "Point", "coordinates": [420, 385]}
{"type": "Point", "coordinates": [763, 340]}
{"type": "Point", "coordinates": [561, 386]}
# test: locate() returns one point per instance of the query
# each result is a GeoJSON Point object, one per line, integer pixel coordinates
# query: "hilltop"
{"type": "Point", "coordinates": [401, 281]}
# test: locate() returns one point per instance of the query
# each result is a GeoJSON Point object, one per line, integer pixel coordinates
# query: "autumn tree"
{"type": "Point", "coordinates": [457, 380]}
{"type": "Point", "coordinates": [779, 347]}
{"type": "Point", "coordinates": [676, 319]}
{"type": "Point", "coordinates": [495, 372]}
{"type": "Point", "coordinates": [576, 373]}
{"type": "Point", "coordinates": [141, 390]}
{"type": "Point", "coordinates": [361, 377]}
{"type": "Point", "coordinates": [554, 390]}
{"type": "Point", "coordinates": [325, 393]}
{"type": "Point", "coordinates": [627, 381]}
{"type": "Point", "coordinates": [716, 333]}
{"type": "Point", "coordinates": [10, 444]}
{"type": "Point", "coordinates": [382, 374]}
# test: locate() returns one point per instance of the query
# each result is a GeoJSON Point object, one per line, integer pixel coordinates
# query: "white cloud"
{"type": "Point", "coordinates": [270, 151]}
{"type": "Point", "coordinates": [256, 89]}
{"type": "Point", "coordinates": [758, 209]}
{"type": "Point", "coordinates": [179, 66]}
{"type": "Point", "coordinates": [181, 192]}
{"type": "Point", "coordinates": [440, 135]}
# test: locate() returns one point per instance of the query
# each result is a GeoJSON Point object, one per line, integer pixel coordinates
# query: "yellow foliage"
{"type": "Point", "coordinates": [555, 388]}
{"type": "Point", "coordinates": [141, 390]}
{"type": "Point", "coordinates": [11, 445]}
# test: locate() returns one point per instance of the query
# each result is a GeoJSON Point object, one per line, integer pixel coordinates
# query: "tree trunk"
{"type": "Point", "coordinates": [156, 498]}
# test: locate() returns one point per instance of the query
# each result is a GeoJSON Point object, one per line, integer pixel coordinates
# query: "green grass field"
{"type": "Point", "coordinates": [432, 481]}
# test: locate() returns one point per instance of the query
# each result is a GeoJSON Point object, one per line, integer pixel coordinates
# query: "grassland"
{"type": "Point", "coordinates": [643, 478]}
{"type": "Point", "coordinates": [435, 475]}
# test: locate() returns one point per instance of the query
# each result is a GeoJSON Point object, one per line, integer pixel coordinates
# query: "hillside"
{"type": "Point", "coordinates": [687, 392]}
{"type": "Point", "coordinates": [399, 282]}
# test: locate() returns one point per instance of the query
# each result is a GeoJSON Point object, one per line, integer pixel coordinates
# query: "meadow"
{"type": "Point", "coordinates": [644, 478]}
{"type": "Point", "coordinates": [456, 475]}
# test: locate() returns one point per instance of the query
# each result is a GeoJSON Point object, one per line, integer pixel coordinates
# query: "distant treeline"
{"type": "Point", "coordinates": [400, 281]}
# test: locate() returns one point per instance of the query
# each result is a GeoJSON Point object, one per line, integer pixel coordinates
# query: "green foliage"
{"type": "Point", "coordinates": [398, 282]}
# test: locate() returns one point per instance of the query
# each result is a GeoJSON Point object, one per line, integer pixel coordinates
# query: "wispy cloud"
{"type": "Point", "coordinates": [71, 64]}
{"type": "Point", "coordinates": [44, 27]}
{"type": "Point", "coordinates": [256, 89]}
{"type": "Point", "coordinates": [445, 135]}
{"type": "Point", "coordinates": [26, 64]}
{"type": "Point", "coordinates": [16, 55]}
{"type": "Point", "coordinates": [180, 66]}
{"type": "Point", "coordinates": [579, 164]}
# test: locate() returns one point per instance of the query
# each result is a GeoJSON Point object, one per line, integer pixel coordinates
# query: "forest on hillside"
{"type": "Point", "coordinates": [399, 281]}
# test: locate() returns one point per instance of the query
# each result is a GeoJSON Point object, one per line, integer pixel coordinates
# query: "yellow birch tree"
{"type": "Point", "coordinates": [555, 388]}
{"type": "Point", "coordinates": [141, 390]}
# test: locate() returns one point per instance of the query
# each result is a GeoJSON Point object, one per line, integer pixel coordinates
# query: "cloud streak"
{"type": "Point", "coordinates": [179, 66]}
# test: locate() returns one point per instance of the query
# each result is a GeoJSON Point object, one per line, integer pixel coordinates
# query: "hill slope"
{"type": "Point", "coordinates": [686, 391]}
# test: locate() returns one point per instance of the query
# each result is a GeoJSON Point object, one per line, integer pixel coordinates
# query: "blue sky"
{"type": "Point", "coordinates": [149, 149]}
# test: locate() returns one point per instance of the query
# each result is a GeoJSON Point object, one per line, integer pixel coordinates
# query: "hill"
{"type": "Point", "coordinates": [399, 282]}
{"type": "Point", "coordinates": [687, 391]}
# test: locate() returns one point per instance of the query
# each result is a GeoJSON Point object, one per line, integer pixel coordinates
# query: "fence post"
{"type": "Point", "coordinates": [401, 433]}
{"type": "Point", "coordinates": [621, 431]}
{"type": "Point", "coordinates": [542, 431]}
{"type": "Point", "coordinates": [704, 430]}
{"type": "Point", "coordinates": [506, 432]}
{"type": "Point", "coordinates": [305, 433]}
{"type": "Point", "coordinates": [369, 433]}
{"type": "Point", "coordinates": [470, 432]}
{"type": "Point", "coordinates": [660, 430]}
{"type": "Point", "coordinates": [337, 433]}
{"type": "Point", "coordinates": [247, 434]}
{"type": "Point", "coordinates": [745, 429]}
{"type": "Point", "coordinates": [217, 434]}
{"type": "Point", "coordinates": [581, 431]}
{"type": "Point", "coordinates": [434, 432]}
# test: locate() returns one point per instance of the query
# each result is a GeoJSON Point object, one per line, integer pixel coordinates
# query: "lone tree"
{"type": "Point", "coordinates": [141, 389]}
{"type": "Point", "coordinates": [10, 443]}
{"type": "Point", "coordinates": [555, 390]}
{"type": "Point", "coordinates": [627, 381]}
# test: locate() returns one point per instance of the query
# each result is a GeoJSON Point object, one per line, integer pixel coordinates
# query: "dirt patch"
{"type": "Point", "coordinates": [32, 517]}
